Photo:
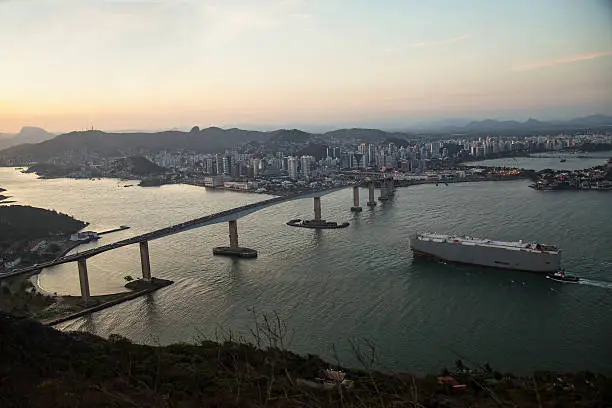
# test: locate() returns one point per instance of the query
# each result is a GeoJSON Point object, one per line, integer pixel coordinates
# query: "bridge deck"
{"type": "Point", "coordinates": [215, 218]}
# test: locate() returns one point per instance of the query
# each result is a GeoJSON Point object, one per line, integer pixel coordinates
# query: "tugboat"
{"type": "Point", "coordinates": [560, 276]}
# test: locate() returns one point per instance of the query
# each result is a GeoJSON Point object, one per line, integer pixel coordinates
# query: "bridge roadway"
{"type": "Point", "coordinates": [215, 218]}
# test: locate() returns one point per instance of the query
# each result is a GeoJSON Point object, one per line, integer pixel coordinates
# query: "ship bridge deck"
{"type": "Point", "coordinates": [471, 241]}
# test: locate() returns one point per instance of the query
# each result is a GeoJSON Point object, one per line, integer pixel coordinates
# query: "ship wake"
{"type": "Point", "coordinates": [598, 283]}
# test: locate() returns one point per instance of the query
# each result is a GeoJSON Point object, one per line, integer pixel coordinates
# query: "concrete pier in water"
{"type": "Point", "coordinates": [318, 222]}
{"type": "Point", "coordinates": [371, 199]}
{"type": "Point", "coordinates": [84, 279]}
{"type": "Point", "coordinates": [317, 208]}
{"type": "Point", "coordinates": [234, 250]}
{"type": "Point", "coordinates": [145, 262]}
{"type": "Point", "coordinates": [386, 189]}
{"type": "Point", "coordinates": [356, 207]}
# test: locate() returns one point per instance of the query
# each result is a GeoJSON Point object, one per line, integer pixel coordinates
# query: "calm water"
{"type": "Point", "coordinates": [359, 282]}
{"type": "Point", "coordinates": [550, 161]}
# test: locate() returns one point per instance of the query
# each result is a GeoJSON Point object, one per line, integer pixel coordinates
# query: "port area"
{"type": "Point", "coordinates": [70, 307]}
{"type": "Point", "coordinates": [236, 252]}
{"type": "Point", "coordinates": [316, 224]}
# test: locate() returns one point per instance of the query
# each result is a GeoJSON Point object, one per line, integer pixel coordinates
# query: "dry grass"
{"type": "Point", "coordinates": [42, 367]}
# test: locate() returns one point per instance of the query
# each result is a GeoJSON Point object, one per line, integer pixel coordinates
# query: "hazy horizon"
{"type": "Point", "coordinates": [389, 125]}
{"type": "Point", "coordinates": [154, 65]}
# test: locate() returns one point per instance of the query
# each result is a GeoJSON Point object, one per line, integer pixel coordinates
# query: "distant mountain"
{"type": "Point", "coordinates": [137, 165]}
{"type": "Point", "coordinates": [368, 135]}
{"type": "Point", "coordinates": [530, 126]}
{"type": "Point", "coordinates": [592, 120]}
{"type": "Point", "coordinates": [216, 140]}
{"type": "Point", "coordinates": [358, 133]}
{"type": "Point", "coordinates": [28, 134]}
{"type": "Point", "coordinates": [104, 144]}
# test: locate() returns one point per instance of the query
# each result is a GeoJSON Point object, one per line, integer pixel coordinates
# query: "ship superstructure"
{"type": "Point", "coordinates": [526, 256]}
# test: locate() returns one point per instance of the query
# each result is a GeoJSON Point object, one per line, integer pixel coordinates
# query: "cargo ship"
{"type": "Point", "coordinates": [522, 256]}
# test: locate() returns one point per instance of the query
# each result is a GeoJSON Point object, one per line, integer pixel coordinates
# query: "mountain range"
{"type": "Point", "coordinates": [40, 146]}
{"type": "Point", "coordinates": [531, 125]}
{"type": "Point", "coordinates": [28, 134]}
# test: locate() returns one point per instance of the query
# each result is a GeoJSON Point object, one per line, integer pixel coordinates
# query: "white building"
{"type": "Point", "coordinates": [292, 167]}
{"type": "Point", "coordinates": [214, 181]}
{"type": "Point", "coordinates": [307, 162]}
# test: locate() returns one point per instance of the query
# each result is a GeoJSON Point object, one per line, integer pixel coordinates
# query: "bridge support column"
{"type": "Point", "coordinates": [233, 233]}
{"type": "Point", "coordinates": [233, 249]}
{"type": "Point", "coordinates": [83, 279]}
{"type": "Point", "coordinates": [371, 198]}
{"type": "Point", "coordinates": [317, 208]}
{"type": "Point", "coordinates": [390, 187]}
{"type": "Point", "coordinates": [356, 207]}
{"type": "Point", "coordinates": [318, 222]}
{"type": "Point", "coordinates": [385, 190]}
{"type": "Point", "coordinates": [145, 262]}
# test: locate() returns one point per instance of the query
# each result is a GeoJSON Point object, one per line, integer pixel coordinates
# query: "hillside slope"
{"type": "Point", "coordinates": [42, 367]}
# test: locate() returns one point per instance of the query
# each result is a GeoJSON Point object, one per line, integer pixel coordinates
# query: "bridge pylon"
{"type": "Point", "coordinates": [145, 262]}
{"type": "Point", "coordinates": [233, 249]}
{"type": "Point", "coordinates": [371, 198]}
{"type": "Point", "coordinates": [84, 280]}
{"type": "Point", "coordinates": [386, 189]}
{"type": "Point", "coordinates": [356, 207]}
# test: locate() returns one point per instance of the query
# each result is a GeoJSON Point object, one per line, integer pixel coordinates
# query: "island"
{"type": "Point", "coordinates": [124, 168]}
{"type": "Point", "coordinates": [598, 178]}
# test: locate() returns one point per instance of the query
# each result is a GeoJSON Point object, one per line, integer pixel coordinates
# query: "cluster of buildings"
{"type": "Point", "coordinates": [14, 254]}
{"type": "Point", "coordinates": [266, 170]}
{"type": "Point", "coordinates": [311, 159]}
{"type": "Point", "coordinates": [596, 178]}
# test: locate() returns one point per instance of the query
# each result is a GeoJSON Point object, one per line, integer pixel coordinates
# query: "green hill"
{"type": "Point", "coordinates": [22, 222]}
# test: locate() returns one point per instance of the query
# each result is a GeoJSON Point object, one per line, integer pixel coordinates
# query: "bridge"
{"type": "Point", "coordinates": [229, 216]}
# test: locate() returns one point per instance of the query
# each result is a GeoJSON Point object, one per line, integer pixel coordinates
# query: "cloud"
{"type": "Point", "coordinates": [567, 60]}
{"type": "Point", "coordinates": [422, 44]}
{"type": "Point", "coordinates": [229, 21]}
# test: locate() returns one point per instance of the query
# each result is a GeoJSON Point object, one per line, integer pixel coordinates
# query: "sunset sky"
{"type": "Point", "coordinates": [145, 64]}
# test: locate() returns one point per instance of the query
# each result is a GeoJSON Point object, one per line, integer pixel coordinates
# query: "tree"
{"type": "Point", "coordinates": [54, 247]}
{"type": "Point", "coordinates": [459, 365]}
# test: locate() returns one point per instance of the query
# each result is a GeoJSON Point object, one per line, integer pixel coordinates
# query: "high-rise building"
{"type": "Point", "coordinates": [227, 165]}
{"type": "Point", "coordinates": [255, 164]}
{"type": "Point", "coordinates": [362, 148]}
{"type": "Point", "coordinates": [358, 160]}
{"type": "Point", "coordinates": [307, 162]}
{"type": "Point", "coordinates": [292, 167]}
{"type": "Point", "coordinates": [219, 164]}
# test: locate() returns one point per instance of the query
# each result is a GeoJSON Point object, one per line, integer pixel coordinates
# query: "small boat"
{"type": "Point", "coordinates": [563, 160]}
{"type": "Point", "coordinates": [560, 276]}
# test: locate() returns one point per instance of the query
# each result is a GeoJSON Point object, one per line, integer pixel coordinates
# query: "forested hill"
{"type": "Point", "coordinates": [208, 140]}
{"type": "Point", "coordinates": [21, 222]}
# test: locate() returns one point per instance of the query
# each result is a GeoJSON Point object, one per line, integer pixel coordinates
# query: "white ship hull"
{"type": "Point", "coordinates": [493, 256]}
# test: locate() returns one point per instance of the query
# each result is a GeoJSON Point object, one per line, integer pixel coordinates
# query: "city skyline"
{"type": "Point", "coordinates": [159, 65]}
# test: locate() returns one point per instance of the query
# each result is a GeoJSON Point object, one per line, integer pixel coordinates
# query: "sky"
{"type": "Point", "coordinates": [161, 64]}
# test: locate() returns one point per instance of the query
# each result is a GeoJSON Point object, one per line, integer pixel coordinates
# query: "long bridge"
{"type": "Point", "coordinates": [229, 216]}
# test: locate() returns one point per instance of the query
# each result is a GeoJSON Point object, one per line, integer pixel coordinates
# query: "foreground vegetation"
{"type": "Point", "coordinates": [42, 367]}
